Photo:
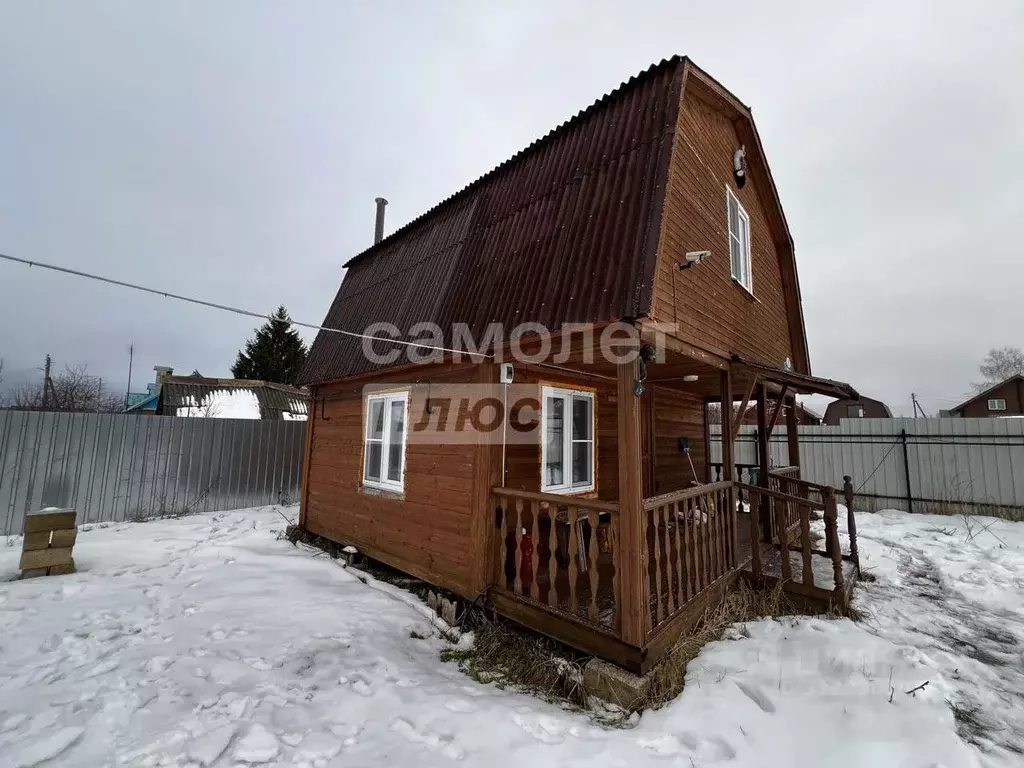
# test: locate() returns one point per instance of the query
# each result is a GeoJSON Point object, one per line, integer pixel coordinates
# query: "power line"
{"type": "Point", "coordinates": [226, 307]}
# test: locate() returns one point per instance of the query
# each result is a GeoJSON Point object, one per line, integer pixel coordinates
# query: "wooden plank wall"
{"type": "Point", "coordinates": [438, 530]}
{"type": "Point", "coordinates": [523, 461]}
{"type": "Point", "coordinates": [710, 310]}
{"type": "Point", "coordinates": [431, 532]}
{"type": "Point", "coordinates": [678, 414]}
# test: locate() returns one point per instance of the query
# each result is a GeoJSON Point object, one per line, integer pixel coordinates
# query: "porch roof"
{"type": "Point", "coordinates": [797, 383]}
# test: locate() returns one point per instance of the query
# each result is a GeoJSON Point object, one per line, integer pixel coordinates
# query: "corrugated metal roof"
{"type": "Point", "coordinates": [565, 231]}
{"type": "Point", "coordinates": [274, 399]}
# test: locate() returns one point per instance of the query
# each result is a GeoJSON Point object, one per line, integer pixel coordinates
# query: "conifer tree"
{"type": "Point", "coordinates": [276, 353]}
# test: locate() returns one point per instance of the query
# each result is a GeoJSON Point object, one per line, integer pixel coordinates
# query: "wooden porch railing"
{"type": "Point", "coordinates": [560, 552]}
{"type": "Point", "coordinates": [690, 537]}
{"type": "Point", "coordinates": [793, 543]}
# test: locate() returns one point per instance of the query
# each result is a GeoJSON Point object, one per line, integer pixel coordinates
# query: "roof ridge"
{"type": "Point", "coordinates": [563, 127]}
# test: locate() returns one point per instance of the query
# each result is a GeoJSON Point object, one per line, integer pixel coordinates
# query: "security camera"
{"type": "Point", "coordinates": [694, 257]}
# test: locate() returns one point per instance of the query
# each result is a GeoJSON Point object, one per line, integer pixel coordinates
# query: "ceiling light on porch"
{"type": "Point", "coordinates": [690, 378]}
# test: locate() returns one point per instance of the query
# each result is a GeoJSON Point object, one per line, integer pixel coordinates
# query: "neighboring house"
{"type": "Point", "coordinates": [200, 397]}
{"type": "Point", "coordinates": [606, 219]}
{"type": "Point", "coordinates": [1000, 400]}
{"type": "Point", "coordinates": [861, 408]}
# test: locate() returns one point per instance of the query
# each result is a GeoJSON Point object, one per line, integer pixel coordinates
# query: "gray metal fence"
{"type": "Point", "coordinates": [920, 465]}
{"type": "Point", "coordinates": [113, 467]}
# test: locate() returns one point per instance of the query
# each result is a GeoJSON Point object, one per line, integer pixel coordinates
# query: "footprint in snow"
{"type": "Point", "coordinates": [664, 745]}
{"type": "Point", "coordinates": [460, 705]}
{"type": "Point", "coordinates": [542, 727]}
{"type": "Point", "coordinates": [440, 742]}
{"type": "Point", "coordinates": [757, 696]}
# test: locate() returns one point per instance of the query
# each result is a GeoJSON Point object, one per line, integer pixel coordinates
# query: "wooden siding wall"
{"type": "Point", "coordinates": [678, 414]}
{"type": "Point", "coordinates": [710, 311]}
{"type": "Point", "coordinates": [431, 532]}
{"type": "Point", "coordinates": [523, 461]}
{"type": "Point", "coordinates": [438, 530]}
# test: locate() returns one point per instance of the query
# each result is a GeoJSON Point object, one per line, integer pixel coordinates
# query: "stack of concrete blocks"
{"type": "Point", "coordinates": [49, 539]}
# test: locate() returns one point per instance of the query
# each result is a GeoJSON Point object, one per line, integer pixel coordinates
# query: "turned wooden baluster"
{"type": "Point", "coordinates": [687, 549]}
{"type": "Point", "coordinates": [552, 561]}
{"type": "Point", "coordinates": [613, 542]}
{"type": "Point", "coordinates": [680, 585]}
{"type": "Point", "coordinates": [535, 550]}
{"type": "Point", "coordinates": [755, 533]}
{"type": "Point", "coordinates": [668, 559]}
{"type": "Point", "coordinates": [805, 542]}
{"type": "Point", "coordinates": [781, 516]}
{"type": "Point", "coordinates": [573, 552]}
{"type": "Point", "coordinates": [832, 532]}
{"type": "Point", "coordinates": [517, 585]}
{"type": "Point", "coordinates": [592, 517]}
{"type": "Point", "coordinates": [851, 521]}
{"type": "Point", "coordinates": [706, 532]}
{"type": "Point", "coordinates": [659, 610]}
{"type": "Point", "coordinates": [502, 535]}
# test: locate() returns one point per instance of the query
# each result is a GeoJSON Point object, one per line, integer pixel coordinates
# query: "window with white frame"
{"type": "Point", "coordinates": [997, 404]}
{"type": "Point", "coordinates": [567, 441]}
{"type": "Point", "coordinates": [855, 411]}
{"type": "Point", "coordinates": [739, 241]}
{"type": "Point", "coordinates": [384, 441]}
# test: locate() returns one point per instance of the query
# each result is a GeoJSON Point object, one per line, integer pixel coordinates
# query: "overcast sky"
{"type": "Point", "coordinates": [232, 150]}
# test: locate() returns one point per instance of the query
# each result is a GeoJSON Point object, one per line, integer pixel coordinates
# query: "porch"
{"type": "Point", "coordinates": [624, 579]}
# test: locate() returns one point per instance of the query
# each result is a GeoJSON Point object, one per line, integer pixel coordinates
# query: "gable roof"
{"type": "Point", "coordinates": [565, 231]}
{"type": "Point", "coordinates": [832, 408]}
{"type": "Point", "coordinates": [982, 395]}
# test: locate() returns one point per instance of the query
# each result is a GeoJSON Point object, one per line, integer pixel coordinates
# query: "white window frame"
{"type": "Point", "coordinates": [739, 235]}
{"type": "Point", "coordinates": [387, 399]}
{"type": "Point", "coordinates": [1000, 407]}
{"type": "Point", "coordinates": [567, 396]}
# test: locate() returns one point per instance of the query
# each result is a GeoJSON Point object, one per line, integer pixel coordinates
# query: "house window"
{"type": "Point", "coordinates": [739, 241]}
{"type": "Point", "coordinates": [384, 453]}
{"type": "Point", "coordinates": [567, 441]}
{"type": "Point", "coordinates": [997, 405]}
{"type": "Point", "coordinates": [855, 411]}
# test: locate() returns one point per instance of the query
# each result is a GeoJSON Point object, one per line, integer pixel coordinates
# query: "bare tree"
{"type": "Point", "coordinates": [73, 389]}
{"type": "Point", "coordinates": [999, 365]}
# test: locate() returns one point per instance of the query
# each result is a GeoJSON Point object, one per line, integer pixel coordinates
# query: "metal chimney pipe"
{"type": "Point", "coordinates": [378, 230]}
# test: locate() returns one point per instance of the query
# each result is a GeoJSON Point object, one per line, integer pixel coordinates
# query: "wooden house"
{"type": "Point", "coordinates": [855, 408]}
{"type": "Point", "coordinates": [653, 209]}
{"type": "Point", "coordinates": [998, 401]}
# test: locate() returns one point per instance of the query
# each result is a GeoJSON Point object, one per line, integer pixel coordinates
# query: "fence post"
{"type": "Point", "coordinates": [906, 471]}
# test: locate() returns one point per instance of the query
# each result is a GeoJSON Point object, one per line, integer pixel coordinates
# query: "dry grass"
{"type": "Point", "coordinates": [741, 604]}
{"type": "Point", "coordinates": [509, 657]}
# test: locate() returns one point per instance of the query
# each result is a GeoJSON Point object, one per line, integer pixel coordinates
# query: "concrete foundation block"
{"type": "Point", "coordinates": [614, 684]}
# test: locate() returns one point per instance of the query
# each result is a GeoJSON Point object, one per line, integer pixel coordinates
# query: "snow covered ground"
{"type": "Point", "coordinates": [209, 641]}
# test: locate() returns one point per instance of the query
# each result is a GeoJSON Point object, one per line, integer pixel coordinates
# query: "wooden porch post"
{"type": "Point", "coordinates": [792, 435]}
{"type": "Point", "coordinates": [728, 454]}
{"type": "Point", "coordinates": [762, 457]}
{"type": "Point", "coordinates": [632, 555]}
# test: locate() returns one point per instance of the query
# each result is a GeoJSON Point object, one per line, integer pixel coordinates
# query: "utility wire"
{"type": "Point", "coordinates": [225, 307]}
{"type": "Point", "coordinates": [879, 464]}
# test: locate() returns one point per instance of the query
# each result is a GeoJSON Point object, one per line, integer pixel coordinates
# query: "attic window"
{"type": "Point", "coordinates": [739, 241]}
{"type": "Point", "coordinates": [997, 404]}
{"type": "Point", "coordinates": [385, 440]}
{"type": "Point", "coordinates": [855, 411]}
